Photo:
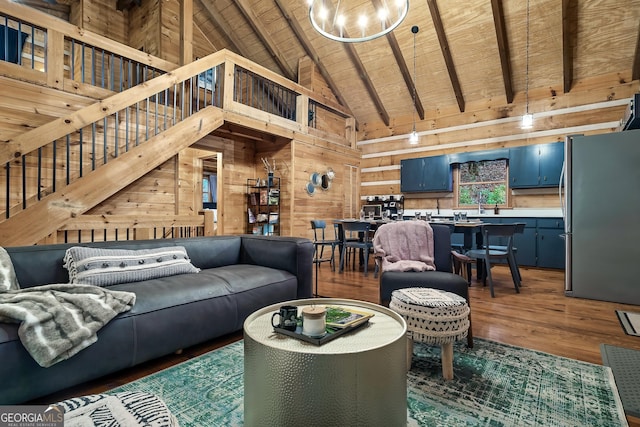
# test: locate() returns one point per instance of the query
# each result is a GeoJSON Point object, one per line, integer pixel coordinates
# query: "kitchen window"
{"type": "Point", "coordinates": [482, 182]}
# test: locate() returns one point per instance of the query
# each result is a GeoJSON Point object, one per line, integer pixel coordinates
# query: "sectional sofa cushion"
{"type": "Point", "coordinates": [106, 267]}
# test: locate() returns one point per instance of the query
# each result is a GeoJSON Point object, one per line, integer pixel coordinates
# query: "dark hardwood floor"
{"type": "Point", "coordinates": [540, 317]}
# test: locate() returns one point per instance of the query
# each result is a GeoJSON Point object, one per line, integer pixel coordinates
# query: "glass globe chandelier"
{"type": "Point", "coordinates": [331, 19]}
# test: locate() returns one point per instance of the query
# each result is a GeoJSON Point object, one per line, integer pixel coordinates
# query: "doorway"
{"type": "Point", "coordinates": [212, 188]}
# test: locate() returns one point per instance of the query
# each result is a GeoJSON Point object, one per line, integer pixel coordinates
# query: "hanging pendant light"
{"type": "Point", "coordinates": [413, 138]}
{"type": "Point", "coordinates": [527, 118]}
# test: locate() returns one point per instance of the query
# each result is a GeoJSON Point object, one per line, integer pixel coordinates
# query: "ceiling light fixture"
{"type": "Point", "coordinates": [413, 138]}
{"type": "Point", "coordinates": [331, 21]}
{"type": "Point", "coordinates": [527, 118]}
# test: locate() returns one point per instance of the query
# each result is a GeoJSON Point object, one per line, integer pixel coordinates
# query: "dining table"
{"type": "Point", "coordinates": [469, 228]}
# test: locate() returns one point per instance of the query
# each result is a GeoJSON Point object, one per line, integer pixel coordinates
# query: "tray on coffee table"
{"type": "Point", "coordinates": [331, 334]}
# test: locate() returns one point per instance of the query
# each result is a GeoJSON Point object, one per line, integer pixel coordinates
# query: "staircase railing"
{"type": "Point", "coordinates": [44, 160]}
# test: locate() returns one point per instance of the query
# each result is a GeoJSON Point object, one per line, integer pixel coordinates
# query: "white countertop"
{"type": "Point", "coordinates": [488, 213]}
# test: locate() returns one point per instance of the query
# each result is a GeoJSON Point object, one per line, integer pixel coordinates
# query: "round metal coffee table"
{"type": "Point", "coordinates": [357, 379]}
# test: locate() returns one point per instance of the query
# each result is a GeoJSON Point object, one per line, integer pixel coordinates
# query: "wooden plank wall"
{"type": "Point", "coordinates": [309, 76]}
{"type": "Point", "coordinates": [144, 27]}
{"type": "Point", "coordinates": [24, 106]}
{"type": "Point", "coordinates": [153, 194]}
{"type": "Point", "coordinates": [170, 30]}
{"type": "Point", "coordinates": [381, 159]}
{"type": "Point", "coordinates": [101, 17]}
{"type": "Point", "coordinates": [310, 157]}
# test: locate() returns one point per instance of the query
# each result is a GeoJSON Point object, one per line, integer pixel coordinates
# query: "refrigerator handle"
{"type": "Point", "coordinates": [560, 194]}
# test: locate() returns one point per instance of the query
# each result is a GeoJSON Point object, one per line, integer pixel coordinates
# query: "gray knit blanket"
{"type": "Point", "coordinates": [405, 246]}
{"type": "Point", "coordinates": [57, 321]}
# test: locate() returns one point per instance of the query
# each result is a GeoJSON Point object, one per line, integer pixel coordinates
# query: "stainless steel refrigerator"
{"type": "Point", "coordinates": [601, 205]}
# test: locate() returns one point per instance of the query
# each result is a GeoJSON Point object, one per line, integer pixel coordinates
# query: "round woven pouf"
{"type": "Point", "coordinates": [433, 316]}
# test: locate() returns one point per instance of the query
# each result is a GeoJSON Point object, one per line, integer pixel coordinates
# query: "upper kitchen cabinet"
{"type": "Point", "coordinates": [411, 175]}
{"type": "Point", "coordinates": [537, 165]}
{"type": "Point", "coordinates": [426, 174]}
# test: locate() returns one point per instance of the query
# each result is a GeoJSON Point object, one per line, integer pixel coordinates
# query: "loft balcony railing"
{"type": "Point", "coordinates": [260, 93]}
{"type": "Point", "coordinates": [96, 66]}
{"type": "Point", "coordinates": [27, 44]}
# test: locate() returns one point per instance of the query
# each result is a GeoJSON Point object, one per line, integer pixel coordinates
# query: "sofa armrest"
{"type": "Point", "coordinates": [292, 254]}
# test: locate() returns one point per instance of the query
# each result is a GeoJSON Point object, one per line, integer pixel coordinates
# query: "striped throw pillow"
{"type": "Point", "coordinates": [105, 267]}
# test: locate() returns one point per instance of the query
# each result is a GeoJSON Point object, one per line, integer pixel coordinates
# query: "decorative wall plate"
{"type": "Point", "coordinates": [311, 189]}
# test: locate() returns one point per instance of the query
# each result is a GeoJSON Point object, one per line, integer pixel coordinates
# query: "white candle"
{"type": "Point", "coordinates": [314, 321]}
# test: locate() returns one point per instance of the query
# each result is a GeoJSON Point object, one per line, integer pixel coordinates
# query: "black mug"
{"type": "Point", "coordinates": [288, 318]}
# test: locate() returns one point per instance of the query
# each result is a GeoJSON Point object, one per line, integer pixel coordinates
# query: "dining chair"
{"type": "Point", "coordinates": [340, 237]}
{"type": "Point", "coordinates": [462, 264]}
{"type": "Point", "coordinates": [484, 256]}
{"type": "Point", "coordinates": [459, 247]}
{"type": "Point", "coordinates": [320, 241]}
{"type": "Point", "coordinates": [364, 242]}
{"type": "Point", "coordinates": [514, 250]}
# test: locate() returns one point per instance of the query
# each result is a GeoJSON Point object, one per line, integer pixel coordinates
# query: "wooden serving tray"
{"type": "Point", "coordinates": [321, 340]}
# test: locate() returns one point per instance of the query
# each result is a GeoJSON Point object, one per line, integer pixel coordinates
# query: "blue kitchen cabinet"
{"type": "Point", "coordinates": [437, 174]}
{"type": "Point", "coordinates": [523, 166]}
{"type": "Point", "coordinates": [411, 175]}
{"type": "Point", "coordinates": [525, 242]}
{"type": "Point", "coordinates": [551, 160]}
{"type": "Point", "coordinates": [533, 166]}
{"type": "Point", "coordinates": [551, 247]}
{"type": "Point", "coordinates": [426, 174]}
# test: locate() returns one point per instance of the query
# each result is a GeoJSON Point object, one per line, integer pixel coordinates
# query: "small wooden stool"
{"type": "Point", "coordinates": [433, 317]}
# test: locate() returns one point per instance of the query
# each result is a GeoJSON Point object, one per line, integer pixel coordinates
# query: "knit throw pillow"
{"type": "Point", "coordinates": [8, 280]}
{"type": "Point", "coordinates": [105, 267]}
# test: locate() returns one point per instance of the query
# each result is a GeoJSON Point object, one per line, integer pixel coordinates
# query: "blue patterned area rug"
{"type": "Point", "coordinates": [493, 385]}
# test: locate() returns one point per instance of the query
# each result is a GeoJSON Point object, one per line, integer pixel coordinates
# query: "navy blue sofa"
{"type": "Point", "coordinates": [239, 274]}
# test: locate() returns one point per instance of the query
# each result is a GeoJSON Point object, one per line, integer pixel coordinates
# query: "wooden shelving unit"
{"type": "Point", "coordinates": [263, 207]}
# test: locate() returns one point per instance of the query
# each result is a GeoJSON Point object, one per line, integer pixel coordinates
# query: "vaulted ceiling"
{"type": "Point", "coordinates": [467, 51]}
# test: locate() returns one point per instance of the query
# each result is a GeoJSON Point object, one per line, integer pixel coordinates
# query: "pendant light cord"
{"type": "Point", "coordinates": [414, 30]}
{"type": "Point", "coordinates": [527, 65]}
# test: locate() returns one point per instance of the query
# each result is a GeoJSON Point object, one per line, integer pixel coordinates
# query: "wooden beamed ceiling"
{"type": "Point", "coordinates": [468, 51]}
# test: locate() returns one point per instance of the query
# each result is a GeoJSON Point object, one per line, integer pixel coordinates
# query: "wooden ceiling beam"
{"type": "Point", "coordinates": [446, 53]}
{"type": "Point", "coordinates": [503, 48]}
{"type": "Point", "coordinates": [402, 64]}
{"type": "Point", "coordinates": [312, 53]}
{"type": "Point", "coordinates": [261, 32]}
{"type": "Point", "coordinates": [569, 34]}
{"type": "Point", "coordinates": [235, 44]}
